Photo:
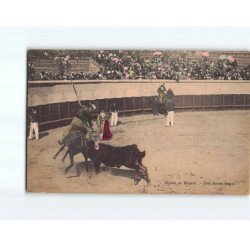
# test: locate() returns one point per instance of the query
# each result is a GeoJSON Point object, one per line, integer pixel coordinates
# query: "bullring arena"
{"type": "Point", "coordinates": [206, 152]}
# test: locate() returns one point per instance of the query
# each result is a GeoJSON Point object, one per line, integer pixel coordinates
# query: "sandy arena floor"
{"type": "Point", "coordinates": [204, 153]}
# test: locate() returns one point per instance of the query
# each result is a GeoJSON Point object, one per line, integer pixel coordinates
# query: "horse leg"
{"type": "Point", "coordinates": [97, 165]}
{"type": "Point", "coordinates": [65, 155]}
{"type": "Point", "coordinates": [86, 165]}
{"type": "Point", "coordinates": [59, 151]}
{"type": "Point", "coordinates": [71, 156]}
{"type": "Point", "coordinates": [77, 171]}
{"type": "Point", "coordinates": [157, 103]}
{"type": "Point", "coordinates": [153, 105]}
{"type": "Point", "coordinates": [155, 108]}
{"type": "Point", "coordinates": [165, 111]}
{"type": "Point", "coordinates": [155, 112]}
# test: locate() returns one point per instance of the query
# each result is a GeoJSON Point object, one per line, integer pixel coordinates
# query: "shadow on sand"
{"type": "Point", "coordinates": [127, 173]}
{"type": "Point", "coordinates": [43, 134]}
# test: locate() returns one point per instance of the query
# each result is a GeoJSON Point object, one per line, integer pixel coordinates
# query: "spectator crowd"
{"type": "Point", "coordinates": [136, 64]}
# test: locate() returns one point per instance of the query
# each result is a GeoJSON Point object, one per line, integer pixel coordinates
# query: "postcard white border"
{"type": "Point", "coordinates": [16, 204]}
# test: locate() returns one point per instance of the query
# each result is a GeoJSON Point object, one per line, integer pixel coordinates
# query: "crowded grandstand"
{"type": "Point", "coordinates": [137, 64]}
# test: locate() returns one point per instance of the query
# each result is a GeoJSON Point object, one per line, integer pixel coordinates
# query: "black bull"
{"type": "Point", "coordinates": [128, 156]}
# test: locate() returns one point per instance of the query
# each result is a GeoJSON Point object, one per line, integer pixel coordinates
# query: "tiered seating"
{"type": "Point", "coordinates": [139, 64]}
{"type": "Point", "coordinates": [44, 65]}
{"type": "Point", "coordinates": [242, 57]}
{"type": "Point", "coordinates": [77, 66]}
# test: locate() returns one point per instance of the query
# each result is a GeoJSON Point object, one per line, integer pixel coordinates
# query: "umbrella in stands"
{"type": "Point", "coordinates": [157, 53]}
{"type": "Point", "coordinates": [223, 57]}
{"type": "Point", "coordinates": [230, 59]}
{"type": "Point", "coordinates": [206, 54]}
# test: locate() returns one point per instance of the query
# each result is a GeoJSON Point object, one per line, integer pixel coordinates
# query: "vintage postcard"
{"type": "Point", "coordinates": [138, 121]}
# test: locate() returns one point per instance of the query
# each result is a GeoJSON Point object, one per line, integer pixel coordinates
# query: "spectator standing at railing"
{"type": "Point", "coordinates": [33, 125]}
{"type": "Point", "coordinates": [114, 115]}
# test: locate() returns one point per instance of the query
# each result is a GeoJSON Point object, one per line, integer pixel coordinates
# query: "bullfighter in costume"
{"type": "Point", "coordinates": [101, 117]}
{"type": "Point", "coordinates": [107, 135]}
{"type": "Point", "coordinates": [161, 91]}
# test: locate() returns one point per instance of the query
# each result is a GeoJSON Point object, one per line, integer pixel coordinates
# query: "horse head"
{"type": "Point", "coordinates": [169, 94]}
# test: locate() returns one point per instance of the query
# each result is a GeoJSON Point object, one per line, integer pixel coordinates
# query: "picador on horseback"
{"type": "Point", "coordinates": [160, 102]}
{"type": "Point", "coordinates": [80, 127]}
{"type": "Point", "coordinates": [161, 91]}
{"type": "Point", "coordinates": [81, 122]}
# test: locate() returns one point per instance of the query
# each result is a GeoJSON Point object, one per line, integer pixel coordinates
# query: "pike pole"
{"type": "Point", "coordinates": [75, 92]}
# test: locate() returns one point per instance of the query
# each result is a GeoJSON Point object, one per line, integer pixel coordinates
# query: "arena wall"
{"type": "Point", "coordinates": [48, 92]}
{"type": "Point", "coordinates": [56, 101]}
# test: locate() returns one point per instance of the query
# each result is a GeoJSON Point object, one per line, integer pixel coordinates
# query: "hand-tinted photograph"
{"type": "Point", "coordinates": [138, 121]}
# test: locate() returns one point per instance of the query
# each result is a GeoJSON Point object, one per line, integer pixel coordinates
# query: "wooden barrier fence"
{"type": "Point", "coordinates": [60, 114]}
